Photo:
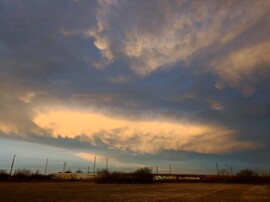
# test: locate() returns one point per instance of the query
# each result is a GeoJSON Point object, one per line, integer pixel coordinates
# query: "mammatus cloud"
{"type": "Point", "coordinates": [243, 68]}
{"type": "Point", "coordinates": [140, 136]}
{"type": "Point", "coordinates": [36, 116]}
{"type": "Point", "coordinates": [152, 76]}
{"type": "Point", "coordinates": [158, 33]}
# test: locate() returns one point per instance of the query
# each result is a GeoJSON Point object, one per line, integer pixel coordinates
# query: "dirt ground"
{"type": "Point", "coordinates": [87, 191]}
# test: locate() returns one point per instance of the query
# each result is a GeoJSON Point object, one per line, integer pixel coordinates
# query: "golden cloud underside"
{"type": "Point", "coordinates": [142, 136]}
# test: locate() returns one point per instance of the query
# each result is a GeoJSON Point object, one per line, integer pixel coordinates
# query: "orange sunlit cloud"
{"type": "Point", "coordinates": [142, 136]}
{"type": "Point", "coordinates": [7, 128]}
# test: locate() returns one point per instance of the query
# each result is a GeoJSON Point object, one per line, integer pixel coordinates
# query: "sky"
{"type": "Point", "coordinates": [151, 83]}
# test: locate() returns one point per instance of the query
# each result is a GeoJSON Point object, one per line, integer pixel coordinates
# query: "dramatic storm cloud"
{"type": "Point", "coordinates": [138, 80]}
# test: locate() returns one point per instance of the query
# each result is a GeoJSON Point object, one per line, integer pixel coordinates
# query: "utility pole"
{"type": "Point", "coordinates": [88, 170]}
{"type": "Point", "coordinates": [94, 167]}
{"type": "Point", "coordinates": [46, 166]}
{"type": "Point", "coordinates": [157, 169]}
{"type": "Point", "coordinates": [170, 169]}
{"type": "Point", "coordinates": [12, 165]}
{"type": "Point", "coordinates": [217, 168]}
{"type": "Point", "coordinates": [107, 164]}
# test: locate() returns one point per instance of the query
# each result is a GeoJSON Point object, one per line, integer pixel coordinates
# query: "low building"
{"type": "Point", "coordinates": [72, 176]}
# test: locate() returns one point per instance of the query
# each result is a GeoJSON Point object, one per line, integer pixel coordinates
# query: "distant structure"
{"type": "Point", "coordinates": [72, 176]}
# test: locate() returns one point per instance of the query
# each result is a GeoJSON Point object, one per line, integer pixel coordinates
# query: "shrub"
{"type": "Point", "coordinates": [105, 176]}
{"type": "Point", "coordinates": [247, 176]}
{"type": "Point", "coordinates": [68, 171]}
{"type": "Point", "coordinates": [119, 177]}
{"type": "Point", "coordinates": [22, 175]}
{"type": "Point", "coordinates": [143, 175]}
{"type": "Point", "coordinates": [79, 171]}
{"type": "Point", "coordinates": [3, 175]}
{"type": "Point", "coordinates": [246, 173]}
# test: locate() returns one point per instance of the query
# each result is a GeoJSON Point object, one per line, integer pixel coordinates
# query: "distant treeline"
{"type": "Point", "coordinates": [23, 175]}
{"type": "Point", "coordinates": [243, 176]}
{"type": "Point", "coordinates": [141, 175]}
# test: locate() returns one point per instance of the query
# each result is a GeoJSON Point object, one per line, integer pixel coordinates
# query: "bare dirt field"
{"type": "Point", "coordinates": [87, 191]}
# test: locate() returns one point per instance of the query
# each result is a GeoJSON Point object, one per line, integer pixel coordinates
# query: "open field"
{"type": "Point", "coordinates": [87, 191]}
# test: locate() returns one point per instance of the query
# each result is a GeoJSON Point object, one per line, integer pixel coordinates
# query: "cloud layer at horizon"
{"type": "Point", "coordinates": [139, 77]}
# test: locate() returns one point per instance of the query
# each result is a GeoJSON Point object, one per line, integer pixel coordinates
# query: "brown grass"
{"type": "Point", "coordinates": [88, 191]}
